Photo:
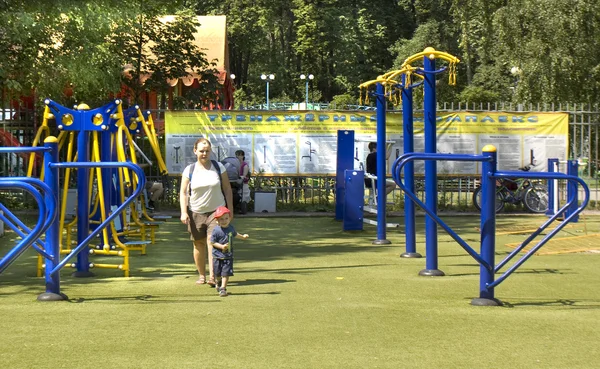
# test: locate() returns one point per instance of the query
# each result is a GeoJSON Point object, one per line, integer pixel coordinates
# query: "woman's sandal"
{"type": "Point", "coordinates": [201, 280]}
{"type": "Point", "coordinates": [211, 282]}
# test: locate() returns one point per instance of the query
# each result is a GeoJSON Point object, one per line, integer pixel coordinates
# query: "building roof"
{"type": "Point", "coordinates": [211, 38]}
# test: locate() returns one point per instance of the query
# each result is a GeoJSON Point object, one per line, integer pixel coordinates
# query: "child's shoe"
{"type": "Point", "coordinates": [223, 292]}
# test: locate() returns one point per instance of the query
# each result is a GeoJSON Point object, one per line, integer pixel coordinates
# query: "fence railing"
{"type": "Point", "coordinates": [18, 126]}
{"type": "Point", "coordinates": [318, 193]}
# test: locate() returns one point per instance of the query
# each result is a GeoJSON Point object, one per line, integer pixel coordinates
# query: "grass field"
{"type": "Point", "coordinates": [307, 295]}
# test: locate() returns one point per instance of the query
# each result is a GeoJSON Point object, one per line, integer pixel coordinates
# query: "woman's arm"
{"type": "Point", "coordinates": [184, 198]}
{"type": "Point", "coordinates": [227, 192]}
{"type": "Point", "coordinates": [245, 171]}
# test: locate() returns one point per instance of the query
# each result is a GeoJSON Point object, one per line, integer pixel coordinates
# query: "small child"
{"type": "Point", "coordinates": [221, 240]}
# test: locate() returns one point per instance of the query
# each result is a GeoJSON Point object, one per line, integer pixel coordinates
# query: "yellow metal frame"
{"type": "Point", "coordinates": [389, 79]}
{"type": "Point", "coordinates": [138, 227]}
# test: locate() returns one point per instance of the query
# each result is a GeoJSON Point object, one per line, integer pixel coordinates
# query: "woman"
{"type": "Point", "coordinates": [202, 191]}
{"type": "Point", "coordinates": [244, 178]}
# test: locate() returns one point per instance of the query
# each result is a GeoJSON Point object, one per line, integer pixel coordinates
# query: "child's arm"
{"type": "Point", "coordinates": [243, 236]}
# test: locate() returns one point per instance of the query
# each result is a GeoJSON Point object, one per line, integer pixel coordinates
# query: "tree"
{"type": "Point", "coordinates": [556, 46]}
{"type": "Point", "coordinates": [76, 51]}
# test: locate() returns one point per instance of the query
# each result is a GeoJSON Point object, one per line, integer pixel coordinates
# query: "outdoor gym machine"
{"type": "Point", "coordinates": [486, 258]}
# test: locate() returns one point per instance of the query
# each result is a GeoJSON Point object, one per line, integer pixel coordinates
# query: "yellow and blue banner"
{"type": "Point", "coordinates": [304, 142]}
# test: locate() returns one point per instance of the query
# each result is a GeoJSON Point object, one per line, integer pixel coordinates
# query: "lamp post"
{"type": "Point", "coordinates": [267, 78]}
{"type": "Point", "coordinates": [308, 78]}
{"type": "Point", "coordinates": [230, 96]}
{"type": "Point", "coordinates": [516, 73]}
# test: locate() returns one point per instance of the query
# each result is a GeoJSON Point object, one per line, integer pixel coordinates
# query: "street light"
{"type": "Point", "coordinates": [308, 78]}
{"type": "Point", "coordinates": [267, 78]}
{"type": "Point", "coordinates": [232, 88]}
{"type": "Point", "coordinates": [516, 73]}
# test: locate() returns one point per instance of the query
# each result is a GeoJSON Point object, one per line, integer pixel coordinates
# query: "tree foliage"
{"type": "Point", "coordinates": [553, 46]}
{"type": "Point", "coordinates": [76, 51]}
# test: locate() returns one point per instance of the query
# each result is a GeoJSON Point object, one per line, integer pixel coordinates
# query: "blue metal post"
{"type": "Point", "coordinates": [409, 173]}
{"type": "Point", "coordinates": [381, 167]}
{"type": "Point", "coordinates": [354, 200]}
{"type": "Point", "coordinates": [345, 160]}
{"type": "Point", "coordinates": [572, 167]}
{"type": "Point", "coordinates": [83, 204]}
{"type": "Point", "coordinates": [552, 168]}
{"type": "Point", "coordinates": [52, 234]}
{"type": "Point", "coordinates": [429, 111]}
{"type": "Point", "coordinates": [488, 229]}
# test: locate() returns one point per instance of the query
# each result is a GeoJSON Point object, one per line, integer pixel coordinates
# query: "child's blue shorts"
{"type": "Point", "coordinates": [223, 267]}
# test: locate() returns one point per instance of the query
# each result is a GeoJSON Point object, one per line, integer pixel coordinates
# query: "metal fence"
{"type": "Point", "coordinates": [17, 126]}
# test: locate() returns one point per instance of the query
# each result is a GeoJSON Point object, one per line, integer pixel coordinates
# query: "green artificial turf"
{"type": "Point", "coordinates": [307, 295]}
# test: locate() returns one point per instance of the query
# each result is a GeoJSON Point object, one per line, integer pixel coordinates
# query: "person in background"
{"type": "Point", "coordinates": [372, 169]}
{"type": "Point", "coordinates": [154, 191]}
{"type": "Point", "coordinates": [222, 241]}
{"type": "Point", "coordinates": [244, 177]}
{"type": "Point", "coordinates": [200, 195]}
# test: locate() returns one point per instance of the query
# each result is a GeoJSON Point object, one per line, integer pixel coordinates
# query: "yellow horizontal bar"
{"type": "Point", "coordinates": [107, 266]}
{"type": "Point", "coordinates": [428, 52]}
{"type": "Point", "coordinates": [107, 252]}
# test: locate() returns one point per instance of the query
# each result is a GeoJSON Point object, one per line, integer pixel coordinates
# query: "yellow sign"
{"type": "Point", "coordinates": [304, 142]}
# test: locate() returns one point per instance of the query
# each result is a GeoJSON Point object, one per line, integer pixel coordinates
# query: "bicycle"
{"type": "Point", "coordinates": [533, 196]}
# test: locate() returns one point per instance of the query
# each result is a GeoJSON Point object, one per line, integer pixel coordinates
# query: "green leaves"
{"type": "Point", "coordinates": [88, 44]}
{"type": "Point", "coordinates": [76, 51]}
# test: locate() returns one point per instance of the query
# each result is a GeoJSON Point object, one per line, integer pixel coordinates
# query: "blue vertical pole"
{"type": "Point", "coordinates": [381, 167]}
{"type": "Point", "coordinates": [52, 234]}
{"type": "Point", "coordinates": [429, 111]}
{"type": "Point", "coordinates": [345, 160]}
{"type": "Point", "coordinates": [83, 204]}
{"type": "Point", "coordinates": [409, 172]}
{"type": "Point", "coordinates": [572, 190]}
{"type": "Point", "coordinates": [488, 229]}
{"type": "Point", "coordinates": [354, 200]}
{"type": "Point", "coordinates": [552, 167]}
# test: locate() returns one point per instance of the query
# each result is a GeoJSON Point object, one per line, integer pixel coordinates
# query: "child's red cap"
{"type": "Point", "coordinates": [221, 210]}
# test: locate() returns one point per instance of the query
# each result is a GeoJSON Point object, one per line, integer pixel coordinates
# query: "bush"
{"type": "Point", "coordinates": [341, 101]}
{"type": "Point", "coordinates": [476, 94]}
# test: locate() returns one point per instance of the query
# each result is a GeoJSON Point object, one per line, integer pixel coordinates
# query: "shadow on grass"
{"type": "Point", "coordinates": [518, 271]}
{"type": "Point", "coordinates": [145, 298]}
{"type": "Point", "coordinates": [152, 299]}
{"type": "Point", "coordinates": [252, 282]}
{"type": "Point", "coordinates": [309, 269]}
{"type": "Point", "coordinates": [272, 293]}
{"type": "Point", "coordinates": [574, 304]}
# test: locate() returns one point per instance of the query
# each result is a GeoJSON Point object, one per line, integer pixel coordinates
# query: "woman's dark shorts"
{"type": "Point", "coordinates": [201, 225]}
